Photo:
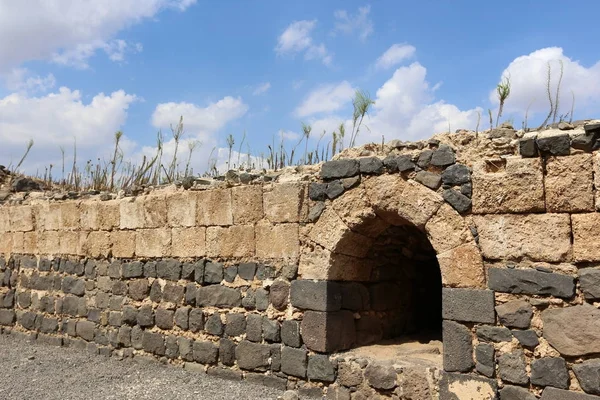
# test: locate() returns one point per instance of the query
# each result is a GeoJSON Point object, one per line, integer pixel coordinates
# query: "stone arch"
{"type": "Point", "coordinates": [336, 246]}
{"type": "Point", "coordinates": [348, 225]}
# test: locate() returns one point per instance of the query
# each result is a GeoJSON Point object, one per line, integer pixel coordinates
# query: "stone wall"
{"type": "Point", "coordinates": [271, 281]}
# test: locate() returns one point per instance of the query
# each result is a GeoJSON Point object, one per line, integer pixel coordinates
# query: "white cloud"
{"type": "Point", "coordinates": [360, 22]}
{"type": "Point", "coordinates": [60, 119]}
{"type": "Point", "coordinates": [262, 88]}
{"type": "Point", "coordinates": [22, 80]}
{"type": "Point", "coordinates": [326, 99]}
{"type": "Point", "coordinates": [66, 31]}
{"type": "Point", "coordinates": [528, 77]}
{"type": "Point", "coordinates": [289, 135]}
{"type": "Point", "coordinates": [297, 38]}
{"type": "Point", "coordinates": [395, 55]}
{"type": "Point", "coordinates": [405, 108]}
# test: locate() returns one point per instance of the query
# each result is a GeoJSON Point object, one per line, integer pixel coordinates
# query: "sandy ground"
{"type": "Point", "coordinates": [40, 371]}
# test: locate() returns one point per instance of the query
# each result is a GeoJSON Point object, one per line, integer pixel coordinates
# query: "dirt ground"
{"type": "Point", "coordinates": [39, 371]}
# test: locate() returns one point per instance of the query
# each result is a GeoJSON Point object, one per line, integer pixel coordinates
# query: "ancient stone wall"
{"type": "Point", "coordinates": [491, 240]}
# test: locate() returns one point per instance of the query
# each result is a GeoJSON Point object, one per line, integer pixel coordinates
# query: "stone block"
{"type": "Point", "coordinates": [69, 215]}
{"type": "Point", "coordinates": [515, 314]}
{"type": "Point", "coordinates": [290, 333]}
{"type": "Point", "coordinates": [529, 281]}
{"type": "Point", "coordinates": [585, 227]}
{"type": "Point", "coordinates": [123, 243]}
{"type": "Point", "coordinates": [181, 209]}
{"type": "Point", "coordinates": [462, 267]}
{"type": "Point", "coordinates": [328, 331]}
{"type": "Point", "coordinates": [587, 374]}
{"type": "Point", "coordinates": [247, 270]}
{"type": "Point", "coordinates": [196, 320]}
{"type": "Point", "coordinates": [294, 362]}
{"type": "Point", "coordinates": [370, 165]}
{"type": "Point", "coordinates": [316, 295]}
{"type": "Point", "coordinates": [454, 386]}
{"type": "Point", "coordinates": [30, 243]}
{"type": "Point", "coordinates": [540, 237]}
{"type": "Point", "coordinates": [154, 208]}
{"type": "Point", "coordinates": [458, 347]}
{"type": "Point", "coordinates": [485, 359]}
{"type": "Point", "coordinates": [349, 374]}
{"type": "Point", "coordinates": [277, 241]}
{"type": "Point", "coordinates": [85, 330]}
{"type": "Point", "coordinates": [214, 207]}
{"type": "Point", "coordinates": [397, 201]}
{"type": "Point", "coordinates": [205, 352]}
{"type": "Point", "coordinates": [213, 272]}
{"type": "Point", "coordinates": [214, 325]}
{"type": "Point", "coordinates": [429, 179]}
{"type": "Point", "coordinates": [333, 234]}
{"type": "Point", "coordinates": [358, 215]}
{"type": "Point", "coordinates": [279, 294]}
{"type": "Point", "coordinates": [551, 393]}
{"type": "Point", "coordinates": [573, 331]}
{"type": "Point", "coordinates": [69, 242]}
{"type": "Point", "coordinates": [7, 317]}
{"type": "Point", "coordinates": [551, 142]}
{"type": "Point", "coordinates": [252, 356]}
{"type": "Point", "coordinates": [494, 333]}
{"type": "Point", "coordinates": [468, 305]}
{"type": "Point", "coordinates": [340, 169]}
{"type": "Point", "coordinates": [285, 202]}
{"type": "Point", "coordinates": [528, 338]}
{"type": "Point", "coordinates": [271, 330]}
{"type": "Point", "coordinates": [515, 185]}
{"type": "Point", "coordinates": [4, 220]}
{"type": "Point", "coordinates": [235, 324]}
{"type": "Point", "coordinates": [457, 200]}
{"type": "Point", "coordinates": [218, 296]}
{"type": "Point", "coordinates": [247, 204]}
{"type": "Point", "coordinates": [164, 318]}
{"type": "Point", "coordinates": [509, 392]}
{"type": "Point", "coordinates": [512, 367]}
{"type": "Point", "coordinates": [381, 377]}
{"type": "Point", "coordinates": [153, 242]}
{"type": "Point", "coordinates": [569, 184]}
{"type": "Point", "coordinates": [131, 213]}
{"type": "Point", "coordinates": [447, 230]}
{"type": "Point", "coordinates": [550, 371]}
{"type": "Point", "coordinates": [189, 242]}
{"type": "Point", "coordinates": [589, 279]}
{"type": "Point", "coordinates": [21, 218]}
{"type": "Point", "coordinates": [232, 241]}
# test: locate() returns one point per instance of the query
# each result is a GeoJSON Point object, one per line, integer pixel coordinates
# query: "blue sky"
{"type": "Point", "coordinates": [265, 67]}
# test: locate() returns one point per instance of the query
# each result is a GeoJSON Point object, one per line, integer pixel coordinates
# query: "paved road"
{"type": "Point", "coordinates": [38, 371]}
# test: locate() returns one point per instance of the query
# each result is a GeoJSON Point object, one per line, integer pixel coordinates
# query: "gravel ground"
{"type": "Point", "coordinates": [40, 371]}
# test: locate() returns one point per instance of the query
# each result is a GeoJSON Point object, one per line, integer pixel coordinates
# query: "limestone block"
{"type": "Point", "coordinates": [88, 215]}
{"type": "Point", "coordinates": [97, 244]}
{"type": "Point", "coordinates": [99, 215]}
{"type": "Point", "coordinates": [596, 167]}
{"type": "Point", "coordinates": [540, 237]}
{"type": "Point", "coordinates": [213, 207]}
{"type": "Point", "coordinates": [331, 232]}
{"type": "Point", "coordinates": [48, 242]}
{"type": "Point", "coordinates": [17, 242]}
{"type": "Point", "coordinates": [514, 187]}
{"type": "Point", "coordinates": [358, 214]}
{"type": "Point", "coordinates": [30, 243]}
{"type": "Point", "coordinates": [69, 215]}
{"type": "Point", "coordinates": [467, 387]}
{"type": "Point", "coordinates": [447, 230]}
{"type": "Point", "coordinates": [397, 201]}
{"type": "Point", "coordinates": [319, 263]}
{"type": "Point", "coordinates": [189, 242]}
{"type": "Point", "coordinates": [47, 216]}
{"type": "Point", "coordinates": [247, 204]}
{"type": "Point", "coordinates": [462, 267]}
{"type": "Point", "coordinates": [131, 213]}
{"type": "Point", "coordinates": [569, 183]}
{"type": "Point", "coordinates": [153, 242]}
{"type": "Point", "coordinates": [277, 241]}
{"type": "Point", "coordinates": [181, 209]}
{"type": "Point", "coordinates": [123, 243]}
{"type": "Point", "coordinates": [69, 242]}
{"type": "Point", "coordinates": [586, 228]}
{"type": "Point", "coordinates": [21, 218]}
{"type": "Point", "coordinates": [4, 220]}
{"type": "Point", "coordinates": [155, 211]}
{"type": "Point", "coordinates": [285, 202]}
{"type": "Point", "coordinates": [5, 243]}
{"type": "Point", "coordinates": [232, 241]}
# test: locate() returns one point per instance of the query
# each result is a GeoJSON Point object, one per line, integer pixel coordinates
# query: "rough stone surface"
{"type": "Point", "coordinates": [294, 361]}
{"type": "Point", "coordinates": [455, 386]}
{"type": "Point", "coordinates": [468, 305]}
{"type": "Point", "coordinates": [218, 296]}
{"type": "Point", "coordinates": [494, 333]}
{"type": "Point", "coordinates": [550, 371]}
{"type": "Point", "coordinates": [573, 331]}
{"type": "Point", "coordinates": [320, 368]}
{"type": "Point", "coordinates": [527, 338]}
{"type": "Point", "coordinates": [540, 237]}
{"type": "Point", "coordinates": [252, 356]}
{"type": "Point", "coordinates": [370, 165]}
{"type": "Point", "coordinates": [443, 156]}
{"type": "Point", "coordinates": [586, 226]}
{"type": "Point", "coordinates": [509, 392]}
{"type": "Point", "coordinates": [456, 174]}
{"type": "Point", "coordinates": [290, 333]}
{"type": "Point", "coordinates": [569, 184]}
{"type": "Point", "coordinates": [513, 186]}
{"type": "Point", "coordinates": [530, 281]}
{"type": "Point", "coordinates": [485, 359]}
{"type": "Point", "coordinates": [328, 331]}
{"type": "Point", "coordinates": [589, 279]}
{"type": "Point", "coordinates": [512, 368]}
{"type": "Point", "coordinates": [316, 295]}
{"type": "Point", "coordinates": [588, 375]}
{"type": "Point", "coordinates": [515, 314]}
{"type": "Point", "coordinates": [430, 179]}
{"type": "Point", "coordinates": [554, 144]}
{"type": "Point", "coordinates": [458, 347]}
{"type": "Point", "coordinates": [457, 200]}
{"type": "Point", "coordinates": [551, 393]}
{"type": "Point", "coordinates": [340, 169]}
{"type": "Point", "coordinates": [381, 376]}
